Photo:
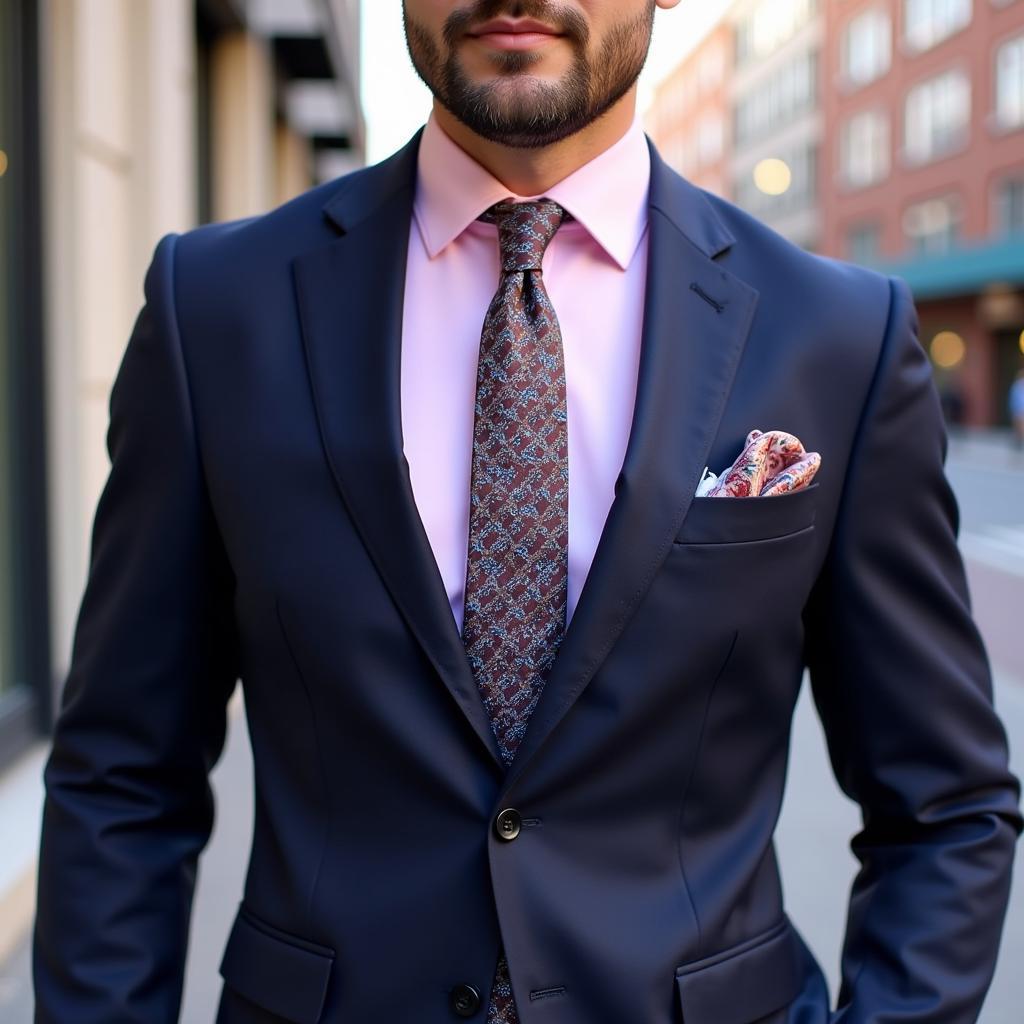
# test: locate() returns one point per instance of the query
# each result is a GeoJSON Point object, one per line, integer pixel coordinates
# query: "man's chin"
{"type": "Point", "coordinates": [519, 131]}
{"type": "Point", "coordinates": [522, 100]}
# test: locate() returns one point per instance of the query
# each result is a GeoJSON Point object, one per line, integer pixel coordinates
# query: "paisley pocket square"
{"type": "Point", "coordinates": [772, 462]}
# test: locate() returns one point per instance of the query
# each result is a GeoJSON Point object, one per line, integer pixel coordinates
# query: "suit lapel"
{"type": "Point", "coordinates": [696, 318]}
{"type": "Point", "coordinates": [350, 294]}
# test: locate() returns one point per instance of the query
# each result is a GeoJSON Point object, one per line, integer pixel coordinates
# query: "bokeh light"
{"type": "Point", "coordinates": [772, 176]}
{"type": "Point", "coordinates": [947, 349]}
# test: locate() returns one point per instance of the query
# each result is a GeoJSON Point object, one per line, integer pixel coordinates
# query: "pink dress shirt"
{"type": "Point", "coordinates": [595, 270]}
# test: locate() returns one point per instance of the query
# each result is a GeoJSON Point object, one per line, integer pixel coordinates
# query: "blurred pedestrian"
{"type": "Point", "coordinates": [1016, 403]}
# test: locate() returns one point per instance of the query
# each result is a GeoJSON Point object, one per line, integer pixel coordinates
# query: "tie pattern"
{"type": "Point", "coordinates": [516, 572]}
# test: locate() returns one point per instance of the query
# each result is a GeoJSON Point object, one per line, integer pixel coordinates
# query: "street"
{"type": "Point", "coordinates": [817, 819]}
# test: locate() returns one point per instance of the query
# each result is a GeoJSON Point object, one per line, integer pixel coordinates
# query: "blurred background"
{"type": "Point", "coordinates": [883, 132]}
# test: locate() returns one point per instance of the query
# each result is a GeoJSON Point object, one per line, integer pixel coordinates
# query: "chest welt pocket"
{"type": "Point", "coordinates": [745, 982]}
{"type": "Point", "coordinates": [744, 520]}
{"type": "Point", "coordinates": [279, 971]}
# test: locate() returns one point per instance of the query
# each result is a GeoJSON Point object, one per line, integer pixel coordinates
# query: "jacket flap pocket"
{"type": "Point", "coordinates": [743, 983]}
{"type": "Point", "coordinates": [731, 520]}
{"type": "Point", "coordinates": [281, 972]}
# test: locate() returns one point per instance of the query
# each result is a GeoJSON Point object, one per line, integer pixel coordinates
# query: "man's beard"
{"type": "Point", "coordinates": [531, 114]}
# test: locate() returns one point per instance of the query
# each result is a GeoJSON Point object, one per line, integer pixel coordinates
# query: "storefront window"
{"type": "Point", "coordinates": [24, 661]}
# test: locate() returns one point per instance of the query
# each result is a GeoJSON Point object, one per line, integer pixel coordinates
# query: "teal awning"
{"type": "Point", "coordinates": [966, 270]}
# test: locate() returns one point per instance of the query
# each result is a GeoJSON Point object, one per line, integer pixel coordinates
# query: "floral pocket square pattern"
{"type": "Point", "coordinates": [772, 462]}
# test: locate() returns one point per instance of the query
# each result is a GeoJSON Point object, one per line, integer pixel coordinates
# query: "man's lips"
{"type": "Point", "coordinates": [518, 34]}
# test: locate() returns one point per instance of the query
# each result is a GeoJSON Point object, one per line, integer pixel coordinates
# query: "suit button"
{"type": "Point", "coordinates": [465, 1000]}
{"type": "Point", "coordinates": [507, 823]}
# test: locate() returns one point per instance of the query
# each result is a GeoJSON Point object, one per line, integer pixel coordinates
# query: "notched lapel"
{"type": "Point", "coordinates": [697, 316]}
{"type": "Point", "coordinates": [351, 295]}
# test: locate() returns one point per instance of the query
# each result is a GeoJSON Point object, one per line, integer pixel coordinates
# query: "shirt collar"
{"type": "Point", "coordinates": [608, 195]}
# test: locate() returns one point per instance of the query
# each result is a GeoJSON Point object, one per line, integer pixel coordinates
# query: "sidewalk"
{"type": "Point", "coordinates": [997, 599]}
{"type": "Point", "coordinates": [992, 449]}
{"type": "Point", "coordinates": [988, 476]}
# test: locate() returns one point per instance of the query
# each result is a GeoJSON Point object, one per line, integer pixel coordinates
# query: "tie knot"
{"type": "Point", "coordinates": [524, 231]}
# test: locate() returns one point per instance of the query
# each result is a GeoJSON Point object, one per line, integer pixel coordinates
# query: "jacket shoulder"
{"type": "Point", "coordinates": [281, 230]}
{"type": "Point", "coordinates": [304, 221]}
{"type": "Point", "coordinates": [227, 271]}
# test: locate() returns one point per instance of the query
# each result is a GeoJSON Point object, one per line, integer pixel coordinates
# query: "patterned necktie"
{"type": "Point", "coordinates": [516, 571]}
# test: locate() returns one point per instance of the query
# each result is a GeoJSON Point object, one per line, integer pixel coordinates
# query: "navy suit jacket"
{"type": "Point", "coordinates": [258, 523]}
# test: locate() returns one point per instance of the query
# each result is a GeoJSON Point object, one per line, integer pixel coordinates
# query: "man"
{"type": "Point", "coordinates": [344, 438]}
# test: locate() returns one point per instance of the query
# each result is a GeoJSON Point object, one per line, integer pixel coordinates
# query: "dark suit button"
{"type": "Point", "coordinates": [507, 823]}
{"type": "Point", "coordinates": [465, 1000]}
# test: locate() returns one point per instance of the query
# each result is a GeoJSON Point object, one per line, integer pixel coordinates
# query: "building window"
{"type": "Point", "coordinates": [867, 47]}
{"type": "Point", "coordinates": [781, 97]}
{"type": "Point", "coordinates": [864, 242]}
{"type": "Point", "coordinates": [1008, 206]}
{"type": "Point", "coordinates": [927, 22]}
{"type": "Point", "coordinates": [24, 642]}
{"type": "Point", "coordinates": [933, 225]}
{"type": "Point", "coordinates": [1010, 83]}
{"type": "Point", "coordinates": [937, 116]}
{"type": "Point", "coordinates": [864, 149]}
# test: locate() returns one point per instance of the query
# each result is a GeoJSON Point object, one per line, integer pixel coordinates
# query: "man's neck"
{"type": "Point", "coordinates": [531, 172]}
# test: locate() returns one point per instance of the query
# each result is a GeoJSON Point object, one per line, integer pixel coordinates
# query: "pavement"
{"type": "Point", "coordinates": [988, 477]}
{"type": "Point", "coordinates": [817, 819]}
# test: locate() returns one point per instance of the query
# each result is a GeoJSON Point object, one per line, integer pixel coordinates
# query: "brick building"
{"type": "Point", "coordinates": [923, 175]}
{"type": "Point", "coordinates": [884, 132]}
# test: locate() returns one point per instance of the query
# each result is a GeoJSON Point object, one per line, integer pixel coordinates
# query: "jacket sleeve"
{"type": "Point", "coordinates": [901, 683]}
{"type": "Point", "coordinates": [142, 718]}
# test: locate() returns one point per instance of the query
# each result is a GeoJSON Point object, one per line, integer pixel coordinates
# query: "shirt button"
{"type": "Point", "coordinates": [465, 1000]}
{"type": "Point", "coordinates": [507, 823]}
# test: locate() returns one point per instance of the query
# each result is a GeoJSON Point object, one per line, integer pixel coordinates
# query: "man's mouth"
{"type": "Point", "coordinates": [515, 33]}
